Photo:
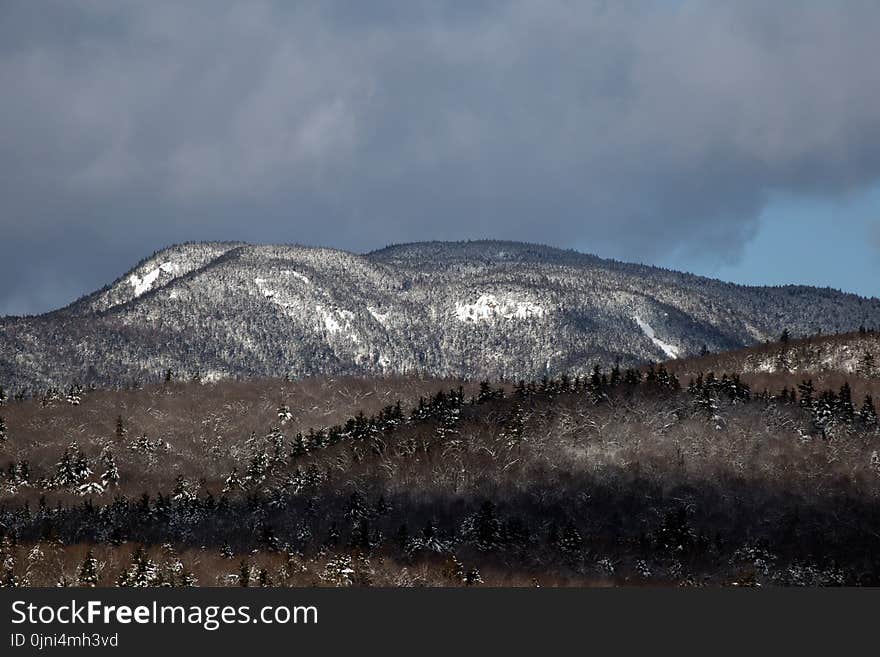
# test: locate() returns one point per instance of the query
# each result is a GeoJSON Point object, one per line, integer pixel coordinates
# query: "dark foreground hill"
{"type": "Point", "coordinates": [621, 477]}
{"type": "Point", "coordinates": [475, 309]}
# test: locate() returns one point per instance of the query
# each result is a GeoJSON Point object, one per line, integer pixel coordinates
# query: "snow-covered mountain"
{"type": "Point", "coordinates": [467, 309]}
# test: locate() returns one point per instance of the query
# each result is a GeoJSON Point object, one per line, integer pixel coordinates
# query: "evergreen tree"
{"type": "Point", "coordinates": [68, 469]}
{"type": "Point", "coordinates": [233, 482]}
{"type": "Point", "coordinates": [569, 541]}
{"type": "Point", "coordinates": [615, 374]}
{"type": "Point", "coordinates": [401, 536]}
{"type": "Point", "coordinates": [4, 435]}
{"type": "Point", "coordinates": [360, 537]}
{"type": "Point", "coordinates": [284, 414]}
{"type": "Point", "coordinates": [486, 393]}
{"type": "Point", "coordinates": [181, 491]}
{"type": "Point", "coordinates": [81, 469]}
{"type": "Point", "coordinates": [513, 427]}
{"type": "Point", "coordinates": [667, 379]}
{"type": "Point", "coordinates": [632, 377]}
{"type": "Point", "coordinates": [8, 578]}
{"type": "Point", "coordinates": [598, 385]}
{"type": "Point", "coordinates": [785, 338]}
{"type": "Point", "coordinates": [596, 377]}
{"type": "Point", "coordinates": [88, 571]}
{"type": "Point", "coordinates": [806, 390]}
{"type": "Point", "coordinates": [844, 407]}
{"type": "Point", "coordinates": [357, 507]}
{"type": "Point", "coordinates": [867, 413]}
{"type": "Point", "coordinates": [705, 399]}
{"type": "Point", "coordinates": [172, 571]}
{"type": "Point", "coordinates": [675, 535]}
{"type": "Point", "coordinates": [244, 573]}
{"type": "Point", "coordinates": [257, 469]}
{"type": "Point", "coordinates": [120, 428]}
{"type": "Point", "coordinates": [269, 540]}
{"type": "Point", "coordinates": [142, 572]}
{"type": "Point", "coordinates": [109, 471]}
{"type": "Point", "coordinates": [18, 473]}
{"type": "Point", "coordinates": [484, 528]}
{"type": "Point", "coordinates": [823, 412]}
{"type": "Point", "coordinates": [276, 442]}
{"type": "Point", "coordinates": [74, 395]}
{"type": "Point", "coordinates": [454, 570]}
{"type": "Point", "coordinates": [473, 577]}
{"type": "Point", "coordinates": [298, 448]}
{"type": "Point", "coordinates": [564, 383]}
{"type": "Point", "coordinates": [339, 571]}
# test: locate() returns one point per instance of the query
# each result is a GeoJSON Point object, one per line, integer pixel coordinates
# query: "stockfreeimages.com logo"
{"type": "Point", "coordinates": [209, 617]}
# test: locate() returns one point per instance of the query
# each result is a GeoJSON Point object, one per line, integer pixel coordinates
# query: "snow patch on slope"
{"type": "Point", "coordinates": [145, 284]}
{"type": "Point", "coordinates": [378, 316]}
{"type": "Point", "coordinates": [489, 306]}
{"type": "Point", "coordinates": [647, 329]}
{"type": "Point", "coordinates": [261, 285]}
{"type": "Point", "coordinates": [296, 274]}
{"type": "Point", "coordinates": [330, 322]}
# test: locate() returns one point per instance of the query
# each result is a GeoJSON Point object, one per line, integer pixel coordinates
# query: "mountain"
{"type": "Point", "coordinates": [464, 309]}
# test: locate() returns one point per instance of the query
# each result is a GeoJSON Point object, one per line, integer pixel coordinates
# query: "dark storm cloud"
{"type": "Point", "coordinates": [630, 129]}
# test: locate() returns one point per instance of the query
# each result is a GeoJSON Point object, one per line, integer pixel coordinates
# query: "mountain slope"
{"type": "Point", "coordinates": [845, 355]}
{"type": "Point", "coordinates": [468, 309]}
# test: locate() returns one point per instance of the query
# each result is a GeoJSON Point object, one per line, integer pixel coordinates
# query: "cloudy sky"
{"type": "Point", "coordinates": [739, 140]}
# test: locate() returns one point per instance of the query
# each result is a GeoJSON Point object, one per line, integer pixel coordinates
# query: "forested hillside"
{"type": "Point", "coordinates": [624, 476]}
{"type": "Point", "coordinates": [464, 310]}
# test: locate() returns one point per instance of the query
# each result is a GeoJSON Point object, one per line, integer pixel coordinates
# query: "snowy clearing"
{"type": "Point", "coordinates": [489, 306]}
{"type": "Point", "coordinates": [647, 329]}
{"type": "Point", "coordinates": [142, 285]}
{"type": "Point", "coordinates": [296, 274]}
{"type": "Point", "coordinates": [330, 322]}
{"type": "Point", "coordinates": [145, 284]}
{"type": "Point", "coordinates": [378, 316]}
{"type": "Point", "coordinates": [261, 285]}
